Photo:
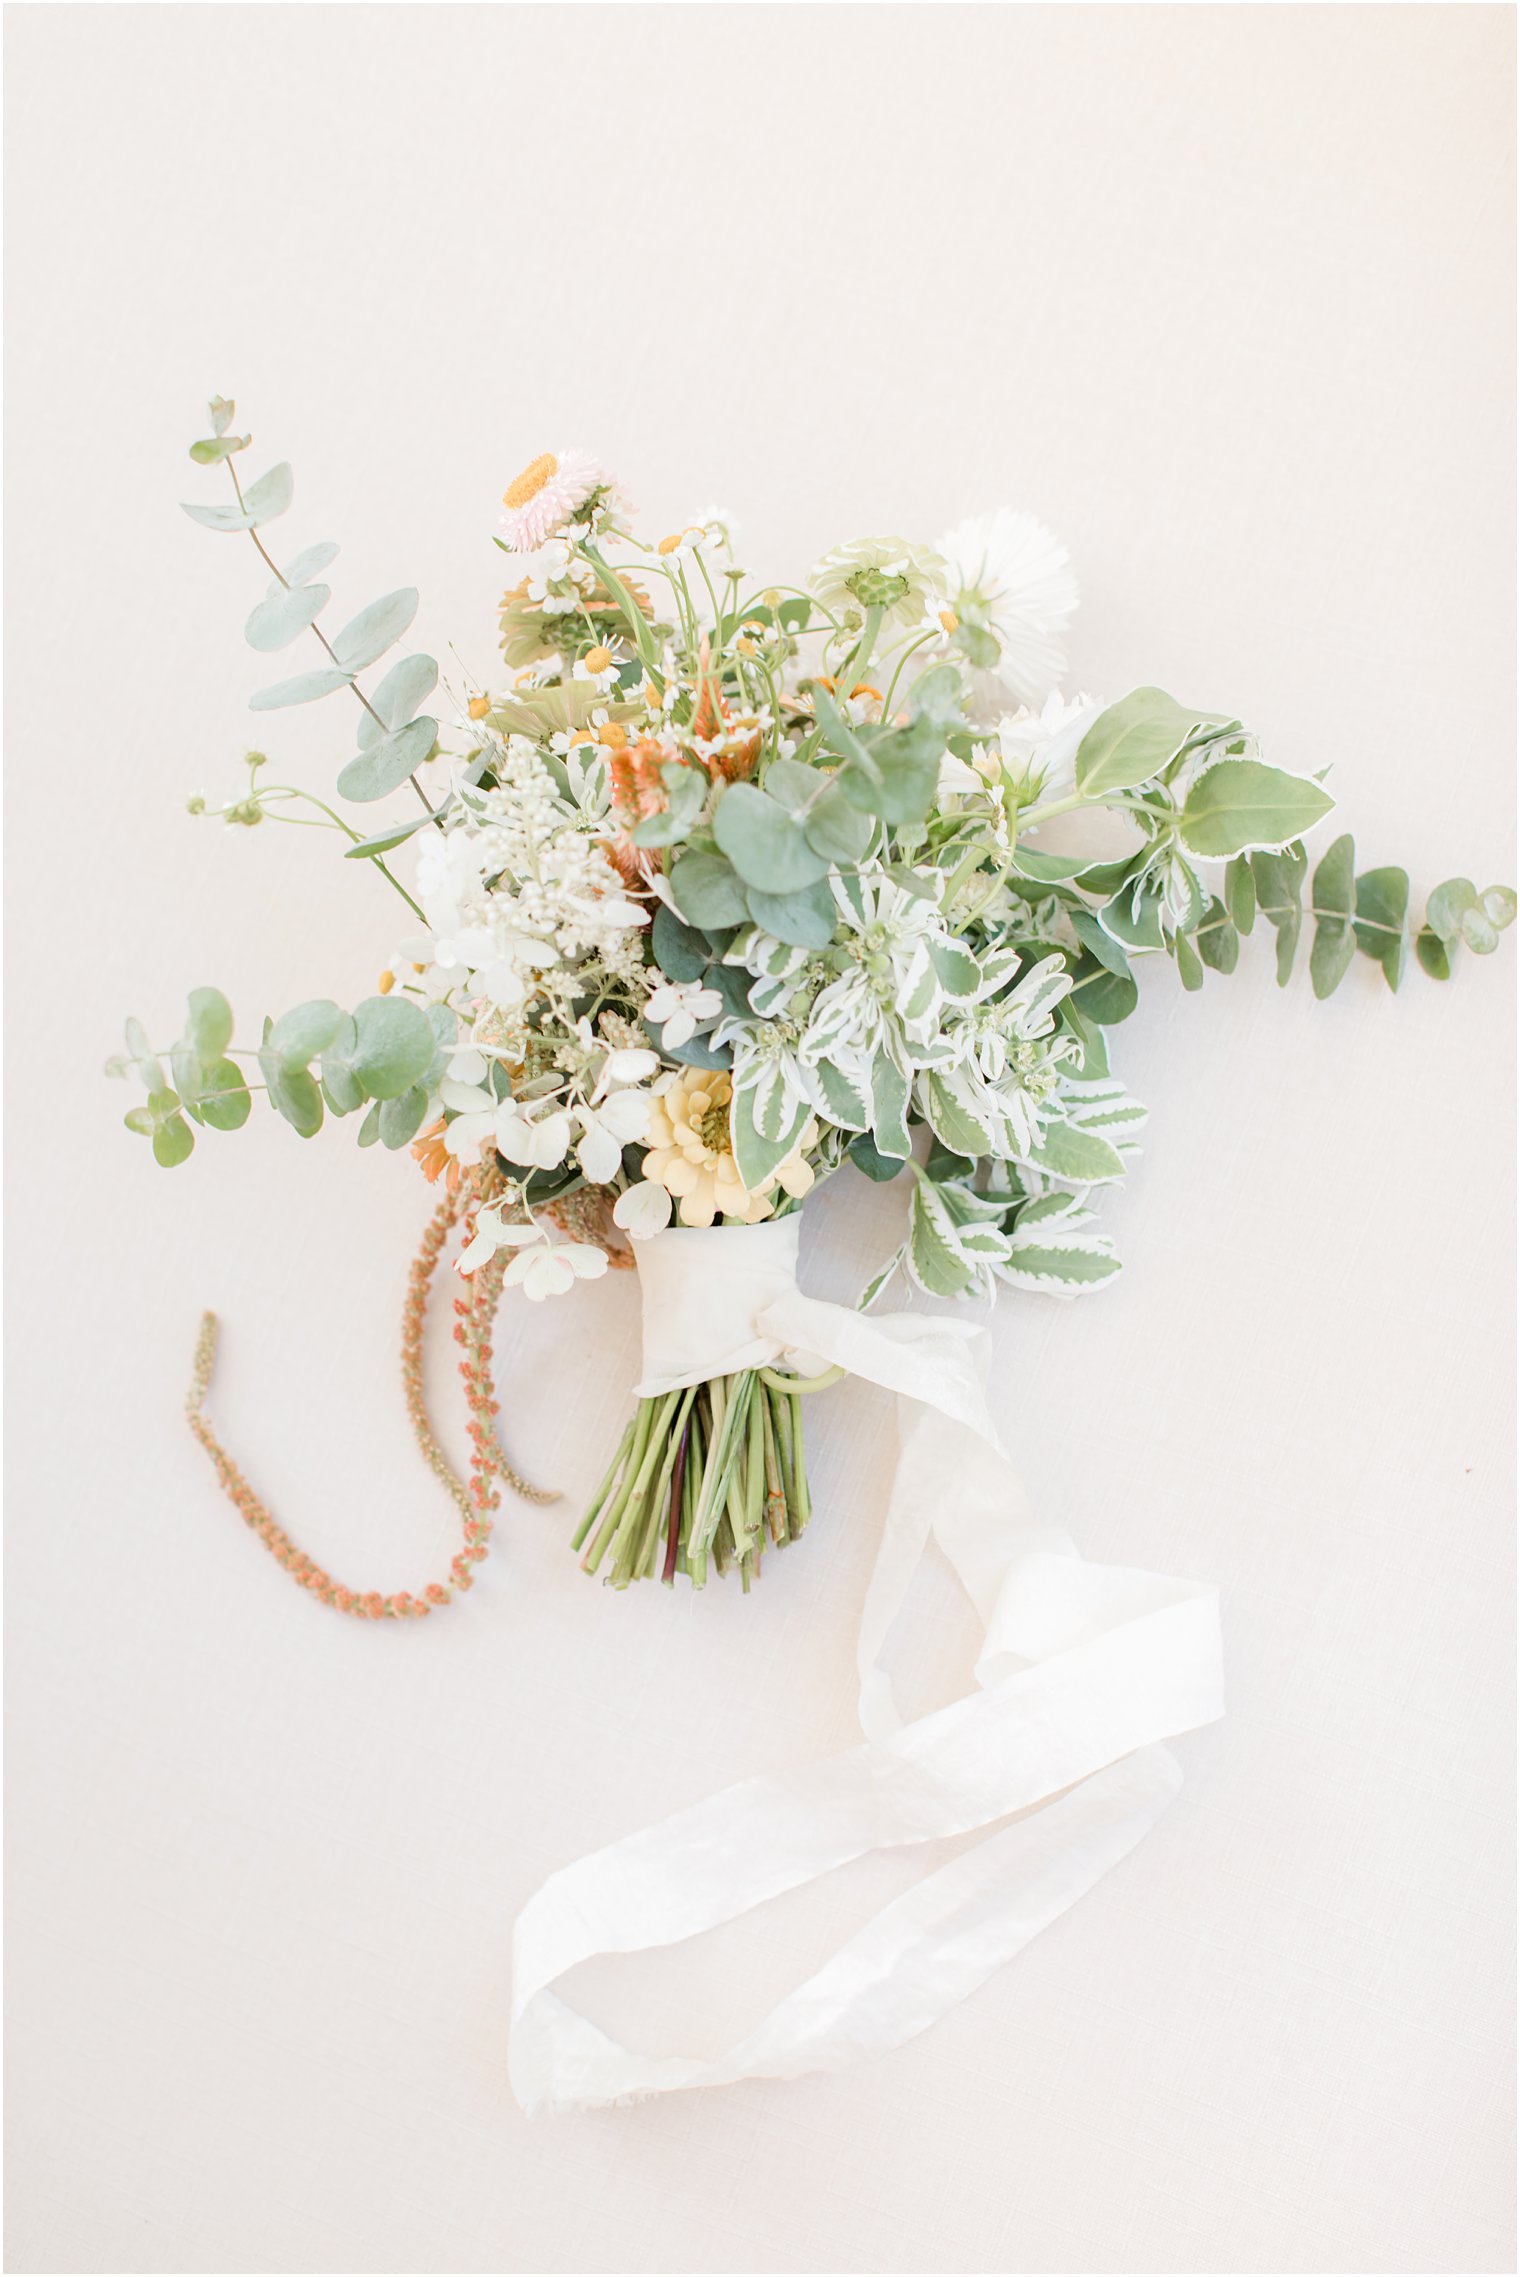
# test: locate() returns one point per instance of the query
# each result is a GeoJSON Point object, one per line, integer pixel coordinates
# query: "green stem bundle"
{"type": "Point", "coordinates": [703, 1479]}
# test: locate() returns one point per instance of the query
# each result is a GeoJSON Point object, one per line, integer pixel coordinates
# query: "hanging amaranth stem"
{"type": "Point", "coordinates": [476, 1500]}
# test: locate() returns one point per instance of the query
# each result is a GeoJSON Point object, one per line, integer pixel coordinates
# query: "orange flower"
{"type": "Point", "coordinates": [429, 1150]}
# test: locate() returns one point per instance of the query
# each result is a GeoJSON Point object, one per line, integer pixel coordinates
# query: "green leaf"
{"type": "Point", "coordinates": [375, 628]}
{"type": "Point", "coordinates": [1239, 803]}
{"type": "Point", "coordinates": [225, 1101]}
{"type": "Point", "coordinates": [934, 1253]}
{"type": "Point", "coordinates": [282, 614]}
{"type": "Point", "coordinates": [188, 1076]}
{"type": "Point", "coordinates": [1077, 1156]}
{"type": "Point", "coordinates": [369, 1129]}
{"type": "Point", "coordinates": [807, 919]}
{"type": "Point", "coordinates": [847, 1104]}
{"type": "Point", "coordinates": [792, 782]}
{"type": "Point", "coordinates": [385, 766]}
{"type": "Point", "coordinates": [305, 688]}
{"type": "Point", "coordinates": [1093, 937]}
{"type": "Point", "coordinates": [840, 738]}
{"type": "Point", "coordinates": [271, 494]}
{"type": "Point", "coordinates": [1216, 939]}
{"type": "Point", "coordinates": [1189, 965]}
{"type": "Point", "coordinates": [1132, 742]}
{"type": "Point", "coordinates": [1105, 997]}
{"type": "Point", "coordinates": [889, 1108]}
{"type": "Point", "coordinates": [1048, 869]}
{"type": "Point", "coordinates": [299, 1035]}
{"type": "Point", "coordinates": [1335, 878]}
{"type": "Point", "coordinates": [1331, 957]}
{"type": "Point", "coordinates": [707, 891]}
{"type": "Point", "coordinates": [835, 827]}
{"type": "Point", "coordinates": [408, 684]}
{"type": "Point", "coordinates": [1432, 953]}
{"type": "Point", "coordinates": [1445, 908]}
{"type": "Point", "coordinates": [214, 450]}
{"type": "Point", "coordinates": [384, 840]}
{"type": "Point", "coordinates": [1136, 925]}
{"type": "Point", "coordinates": [1498, 904]}
{"type": "Point", "coordinates": [173, 1142]}
{"type": "Point", "coordinates": [1382, 910]}
{"type": "Point", "coordinates": [1240, 893]}
{"type": "Point", "coordinates": [680, 953]}
{"type": "Point", "coordinates": [393, 1046]}
{"type": "Point", "coordinates": [908, 759]}
{"type": "Point", "coordinates": [293, 1093]}
{"type": "Point", "coordinates": [1334, 896]}
{"type": "Point", "coordinates": [144, 1122]}
{"type": "Point", "coordinates": [208, 1028]}
{"type": "Point", "coordinates": [310, 561]}
{"type": "Point", "coordinates": [757, 1153]}
{"type": "Point", "coordinates": [1481, 937]}
{"type": "Point", "coordinates": [1279, 881]}
{"type": "Point", "coordinates": [401, 1119]}
{"type": "Point", "coordinates": [697, 1051]}
{"type": "Point", "coordinates": [764, 842]}
{"type": "Point", "coordinates": [955, 968]}
{"type": "Point", "coordinates": [222, 518]}
{"type": "Point", "coordinates": [953, 1122]}
{"type": "Point", "coordinates": [868, 1158]}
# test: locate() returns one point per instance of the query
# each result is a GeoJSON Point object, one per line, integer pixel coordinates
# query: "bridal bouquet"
{"type": "Point", "coordinates": [719, 883]}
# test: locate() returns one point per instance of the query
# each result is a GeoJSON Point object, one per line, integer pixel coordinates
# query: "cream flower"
{"type": "Point", "coordinates": [691, 1153]}
{"type": "Point", "coordinates": [1013, 591]}
{"type": "Point", "coordinates": [901, 580]}
{"type": "Point", "coordinates": [543, 497]}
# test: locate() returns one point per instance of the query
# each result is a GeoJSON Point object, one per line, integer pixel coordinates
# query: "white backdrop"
{"type": "Point", "coordinates": [1225, 293]}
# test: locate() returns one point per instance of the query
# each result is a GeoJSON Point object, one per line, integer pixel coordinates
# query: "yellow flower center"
{"type": "Point", "coordinates": [531, 481]}
{"type": "Point", "coordinates": [598, 659]}
{"type": "Point", "coordinates": [479, 706]}
{"type": "Point", "coordinates": [949, 619]}
{"type": "Point", "coordinates": [669, 545]}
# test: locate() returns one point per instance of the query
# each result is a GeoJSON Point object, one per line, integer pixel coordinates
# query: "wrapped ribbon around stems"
{"type": "Point", "coordinates": [1083, 1671]}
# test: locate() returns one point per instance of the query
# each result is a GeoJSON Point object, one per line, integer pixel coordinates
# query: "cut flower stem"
{"type": "Point", "coordinates": [706, 1478]}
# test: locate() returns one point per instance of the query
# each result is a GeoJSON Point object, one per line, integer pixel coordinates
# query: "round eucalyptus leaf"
{"type": "Point", "coordinates": [707, 891]}
{"type": "Point", "coordinates": [305, 688]}
{"type": "Point", "coordinates": [679, 951]}
{"type": "Point", "coordinates": [271, 494]}
{"type": "Point", "coordinates": [283, 614]}
{"type": "Point", "coordinates": [226, 1101]}
{"type": "Point", "coordinates": [208, 1029]}
{"type": "Point", "coordinates": [401, 1119]}
{"type": "Point", "coordinates": [384, 767]}
{"type": "Point", "coordinates": [300, 1034]}
{"type": "Point", "coordinates": [173, 1142]}
{"type": "Point", "coordinates": [311, 563]}
{"type": "Point", "coordinates": [393, 1045]}
{"type": "Point", "coordinates": [806, 920]}
{"type": "Point", "coordinates": [764, 842]}
{"type": "Point", "coordinates": [399, 693]}
{"type": "Point", "coordinates": [372, 631]}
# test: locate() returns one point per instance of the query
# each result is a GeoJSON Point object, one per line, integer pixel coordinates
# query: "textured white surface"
{"type": "Point", "coordinates": [1225, 294]}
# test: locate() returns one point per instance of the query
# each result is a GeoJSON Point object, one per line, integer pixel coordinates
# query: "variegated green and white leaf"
{"type": "Point", "coordinates": [1076, 1157]}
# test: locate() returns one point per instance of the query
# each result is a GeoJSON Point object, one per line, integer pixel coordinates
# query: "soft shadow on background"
{"type": "Point", "coordinates": [1226, 295]}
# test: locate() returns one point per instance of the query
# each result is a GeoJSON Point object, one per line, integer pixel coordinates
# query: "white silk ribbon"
{"type": "Point", "coordinates": [1083, 1670]}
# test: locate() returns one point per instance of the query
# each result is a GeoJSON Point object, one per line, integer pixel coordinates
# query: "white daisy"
{"type": "Point", "coordinates": [1039, 747]}
{"type": "Point", "coordinates": [545, 495]}
{"type": "Point", "coordinates": [1014, 591]}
